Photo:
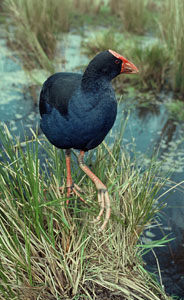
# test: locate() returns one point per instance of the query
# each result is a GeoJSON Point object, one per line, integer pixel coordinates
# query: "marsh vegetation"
{"type": "Point", "coordinates": [138, 29]}
{"type": "Point", "coordinates": [49, 250]}
{"type": "Point", "coordinates": [38, 25]}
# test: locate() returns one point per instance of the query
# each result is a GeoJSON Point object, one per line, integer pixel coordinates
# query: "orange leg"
{"type": "Point", "coordinates": [70, 187]}
{"type": "Point", "coordinates": [68, 170]}
{"type": "Point", "coordinates": [103, 196]}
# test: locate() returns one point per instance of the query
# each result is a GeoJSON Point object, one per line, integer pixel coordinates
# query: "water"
{"type": "Point", "coordinates": [147, 129]}
{"type": "Point", "coordinates": [17, 109]}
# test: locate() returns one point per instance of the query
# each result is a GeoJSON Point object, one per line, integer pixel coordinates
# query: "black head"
{"type": "Point", "coordinates": [109, 64]}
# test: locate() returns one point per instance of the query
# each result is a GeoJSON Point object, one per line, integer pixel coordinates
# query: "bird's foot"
{"type": "Point", "coordinates": [104, 203]}
{"type": "Point", "coordinates": [103, 196]}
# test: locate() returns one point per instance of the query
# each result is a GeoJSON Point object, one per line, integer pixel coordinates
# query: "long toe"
{"type": "Point", "coordinates": [104, 203]}
{"type": "Point", "coordinates": [108, 210]}
{"type": "Point", "coordinates": [74, 189]}
{"type": "Point", "coordinates": [101, 202]}
{"type": "Point", "coordinates": [103, 196]}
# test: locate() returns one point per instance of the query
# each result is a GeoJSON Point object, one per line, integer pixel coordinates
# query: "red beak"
{"type": "Point", "coordinates": [127, 66]}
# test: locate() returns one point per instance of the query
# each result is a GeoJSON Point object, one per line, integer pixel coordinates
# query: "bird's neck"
{"type": "Point", "coordinates": [93, 81]}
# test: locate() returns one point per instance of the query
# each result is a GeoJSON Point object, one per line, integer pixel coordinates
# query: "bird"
{"type": "Point", "coordinates": [77, 112]}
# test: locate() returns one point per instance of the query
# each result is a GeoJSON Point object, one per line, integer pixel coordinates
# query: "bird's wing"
{"type": "Point", "coordinates": [58, 90]}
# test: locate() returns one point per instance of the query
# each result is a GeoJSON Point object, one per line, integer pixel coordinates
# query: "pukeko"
{"type": "Point", "coordinates": [77, 111]}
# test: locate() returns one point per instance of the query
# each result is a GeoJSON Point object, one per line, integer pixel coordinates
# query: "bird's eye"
{"type": "Point", "coordinates": [117, 61]}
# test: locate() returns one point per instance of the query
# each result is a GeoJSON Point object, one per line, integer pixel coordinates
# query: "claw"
{"type": "Point", "coordinates": [103, 196]}
{"type": "Point", "coordinates": [108, 210]}
{"type": "Point", "coordinates": [101, 202]}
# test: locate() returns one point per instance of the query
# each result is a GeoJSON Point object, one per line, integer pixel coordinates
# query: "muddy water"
{"type": "Point", "coordinates": [147, 130]}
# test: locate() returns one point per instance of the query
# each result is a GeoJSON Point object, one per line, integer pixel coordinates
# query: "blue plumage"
{"type": "Point", "coordinates": [78, 111]}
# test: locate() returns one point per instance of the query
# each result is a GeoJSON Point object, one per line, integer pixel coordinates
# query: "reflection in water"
{"type": "Point", "coordinates": [144, 112]}
{"type": "Point", "coordinates": [167, 132]}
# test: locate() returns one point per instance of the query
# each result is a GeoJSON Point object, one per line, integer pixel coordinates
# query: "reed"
{"type": "Point", "coordinates": [134, 14]}
{"type": "Point", "coordinates": [87, 6]}
{"type": "Point", "coordinates": [36, 25]}
{"type": "Point", "coordinates": [171, 26]}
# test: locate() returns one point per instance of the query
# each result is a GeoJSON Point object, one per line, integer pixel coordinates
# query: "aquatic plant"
{"type": "Point", "coordinates": [49, 249]}
{"type": "Point", "coordinates": [176, 110]}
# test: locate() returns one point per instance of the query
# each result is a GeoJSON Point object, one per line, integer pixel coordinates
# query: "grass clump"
{"type": "Point", "coordinates": [50, 250]}
{"type": "Point", "coordinates": [153, 63]}
{"type": "Point", "coordinates": [35, 28]}
{"type": "Point", "coordinates": [171, 25]}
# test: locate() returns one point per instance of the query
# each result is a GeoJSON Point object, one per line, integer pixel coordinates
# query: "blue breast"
{"type": "Point", "coordinates": [87, 122]}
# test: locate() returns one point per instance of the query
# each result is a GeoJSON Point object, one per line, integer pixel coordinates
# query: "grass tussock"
{"type": "Point", "coordinates": [153, 64]}
{"type": "Point", "coordinates": [49, 250]}
{"type": "Point", "coordinates": [36, 25]}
